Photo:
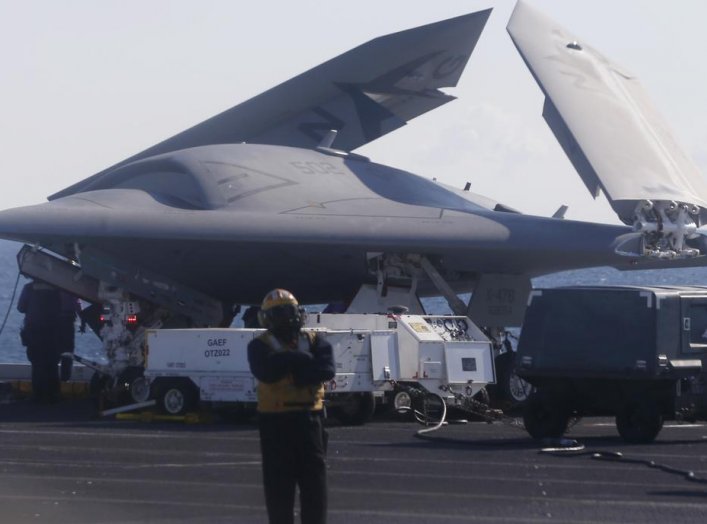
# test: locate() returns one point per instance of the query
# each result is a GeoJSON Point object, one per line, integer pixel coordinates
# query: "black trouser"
{"type": "Point", "coordinates": [293, 447]}
{"type": "Point", "coordinates": [45, 382]}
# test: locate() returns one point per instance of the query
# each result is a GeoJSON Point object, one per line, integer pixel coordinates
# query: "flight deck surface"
{"type": "Point", "coordinates": [59, 464]}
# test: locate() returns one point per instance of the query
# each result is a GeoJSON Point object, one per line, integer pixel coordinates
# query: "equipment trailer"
{"type": "Point", "coordinates": [401, 358]}
{"type": "Point", "coordinates": [634, 352]}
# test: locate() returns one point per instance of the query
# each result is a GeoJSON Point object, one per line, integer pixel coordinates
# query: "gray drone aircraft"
{"type": "Point", "coordinates": [269, 193]}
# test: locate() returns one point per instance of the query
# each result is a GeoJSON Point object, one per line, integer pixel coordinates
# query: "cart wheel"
{"type": "Point", "coordinates": [545, 415]}
{"type": "Point", "coordinates": [399, 404]}
{"type": "Point", "coordinates": [356, 409]}
{"type": "Point", "coordinates": [639, 421]}
{"type": "Point", "coordinates": [402, 401]}
{"type": "Point", "coordinates": [176, 398]}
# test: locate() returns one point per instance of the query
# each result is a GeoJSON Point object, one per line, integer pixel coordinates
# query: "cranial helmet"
{"type": "Point", "coordinates": [281, 314]}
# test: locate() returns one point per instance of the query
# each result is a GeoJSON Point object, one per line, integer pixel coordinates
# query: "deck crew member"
{"type": "Point", "coordinates": [291, 367]}
{"type": "Point", "coordinates": [48, 331]}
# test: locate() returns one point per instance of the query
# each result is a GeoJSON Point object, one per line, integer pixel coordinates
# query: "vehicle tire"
{"type": "Point", "coordinates": [639, 421]}
{"type": "Point", "coordinates": [517, 389]}
{"type": "Point", "coordinates": [176, 398]}
{"type": "Point", "coordinates": [546, 415]}
{"type": "Point", "coordinates": [509, 386]}
{"type": "Point", "coordinates": [355, 409]}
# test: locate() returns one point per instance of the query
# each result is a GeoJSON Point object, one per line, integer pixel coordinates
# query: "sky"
{"type": "Point", "coordinates": [85, 84]}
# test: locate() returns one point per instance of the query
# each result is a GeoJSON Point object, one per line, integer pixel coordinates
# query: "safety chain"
{"type": "Point", "coordinates": [474, 407]}
{"type": "Point", "coordinates": [483, 410]}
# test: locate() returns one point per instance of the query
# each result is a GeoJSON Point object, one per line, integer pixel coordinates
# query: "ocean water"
{"type": "Point", "coordinates": [11, 350]}
{"type": "Point", "coordinates": [88, 345]}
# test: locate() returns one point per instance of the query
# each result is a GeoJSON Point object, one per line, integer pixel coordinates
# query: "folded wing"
{"type": "Point", "coordinates": [363, 94]}
{"type": "Point", "coordinates": [608, 128]}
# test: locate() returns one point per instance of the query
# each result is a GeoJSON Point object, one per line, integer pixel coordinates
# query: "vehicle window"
{"type": "Point", "coordinates": [697, 318]}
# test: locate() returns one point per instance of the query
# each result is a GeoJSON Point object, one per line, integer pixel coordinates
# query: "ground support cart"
{"type": "Point", "coordinates": [394, 358]}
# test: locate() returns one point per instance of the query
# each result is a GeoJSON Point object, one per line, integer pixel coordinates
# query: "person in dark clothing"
{"type": "Point", "coordinates": [250, 317]}
{"type": "Point", "coordinates": [69, 310]}
{"type": "Point", "coordinates": [48, 331]}
{"type": "Point", "coordinates": [291, 367]}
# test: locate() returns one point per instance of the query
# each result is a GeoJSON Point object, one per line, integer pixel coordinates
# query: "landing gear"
{"type": "Point", "coordinates": [128, 387]}
{"type": "Point", "coordinates": [140, 389]}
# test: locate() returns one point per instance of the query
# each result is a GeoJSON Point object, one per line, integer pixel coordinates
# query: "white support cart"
{"type": "Point", "coordinates": [377, 357]}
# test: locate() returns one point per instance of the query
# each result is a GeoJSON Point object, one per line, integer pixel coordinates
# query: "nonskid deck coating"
{"type": "Point", "coordinates": [60, 464]}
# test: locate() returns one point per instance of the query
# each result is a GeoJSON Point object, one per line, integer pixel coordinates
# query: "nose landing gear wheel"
{"type": "Point", "coordinates": [140, 389]}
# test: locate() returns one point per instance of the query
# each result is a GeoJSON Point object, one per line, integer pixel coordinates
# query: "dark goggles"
{"type": "Point", "coordinates": [284, 313]}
